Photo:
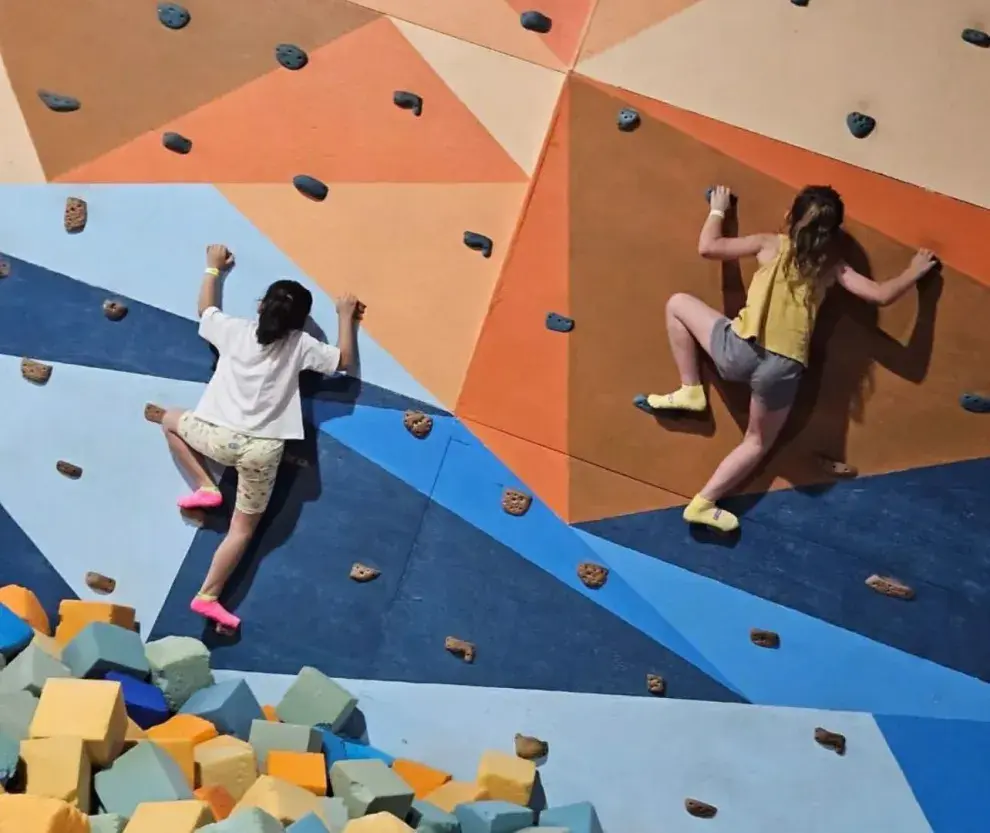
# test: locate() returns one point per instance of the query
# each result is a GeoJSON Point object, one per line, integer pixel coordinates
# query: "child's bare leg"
{"type": "Point", "coordinates": [190, 461]}
{"type": "Point", "coordinates": [230, 552]}
{"type": "Point", "coordinates": [689, 324]}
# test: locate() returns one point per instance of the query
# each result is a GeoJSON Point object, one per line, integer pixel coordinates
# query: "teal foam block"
{"type": "Point", "coordinates": [578, 818]}
{"type": "Point", "coordinates": [180, 666]}
{"type": "Point", "coordinates": [542, 829]}
{"type": "Point", "coordinates": [370, 787]}
{"type": "Point", "coordinates": [426, 818]}
{"type": "Point", "coordinates": [107, 823]}
{"type": "Point", "coordinates": [15, 633]}
{"type": "Point", "coordinates": [29, 670]}
{"type": "Point", "coordinates": [144, 773]}
{"type": "Point", "coordinates": [250, 820]}
{"type": "Point", "coordinates": [310, 823]}
{"type": "Point", "coordinates": [16, 713]}
{"type": "Point", "coordinates": [230, 706]}
{"type": "Point", "coordinates": [100, 648]}
{"type": "Point", "coordinates": [335, 814]}
{"type": "Point", "coordinates": [337, 748]}
{"type": "Point", "coordinates": [266, 735]}
{"type": "Point", "coordinates": [314, 698]}
{"type": "Point", "coordinates": [494, 817]}
{"type": "Point", "coordinates": [10, 755]}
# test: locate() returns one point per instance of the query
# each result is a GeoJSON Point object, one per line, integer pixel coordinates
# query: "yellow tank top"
{"type": "Point", "coordinates": [781, 307]}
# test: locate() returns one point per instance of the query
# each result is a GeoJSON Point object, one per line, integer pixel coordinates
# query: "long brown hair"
{"type": "Point", "coordinates": [814, 225]}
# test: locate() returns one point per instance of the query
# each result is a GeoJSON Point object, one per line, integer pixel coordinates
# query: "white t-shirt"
{"type": "Point", "coordinates": [255, 388]}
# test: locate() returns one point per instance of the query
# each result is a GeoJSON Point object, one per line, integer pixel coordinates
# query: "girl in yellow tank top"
{"type": "Point", "coordinates": [767, 345]}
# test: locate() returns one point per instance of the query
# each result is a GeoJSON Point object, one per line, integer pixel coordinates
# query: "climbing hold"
{"type": "Point", "coordinates": [408, 101]}
{"type": "Point", "coordinates": [4, 267]}
{"type": "Point", "coordinates": [656, 684]}
{"type": "Point", "coordinates": [699, 809]}
{"type": "Point", "coordinates": [362, 573]}
{"type": "Point", "coordinates": [114, 310]}
{"type": "Point", "coordinates": [977, 37]}
{"type": "Point", "coordinates": [592, 575]}
{"type": "Point", "coordinates": [536, 22]}
{"type": "Point", "coordinates": [197, 517]}
{"type": "Point", "coordinates": [418, 424]}
{"type": "Point", "coordinates": [37, 372]}
{"type": "Point", "coordinates": [173, 15]}
{"type": "Point", "coordinates": [68, 469]}
{"type": "Point", "coordinates": [800, 2]}
{"type": "Point", "coordinates": [515, 502]}
{"type": "Point", "coordinates": [831, 740]}
{"type": "Point", "coordinates": [177, 143]}
{"type": "Point", "coordinates": [291, 57]}
{"type": "Point", "coordinates": [559, 323]}
{"type": "Point", "coordinates": [479, 243]}
{"type": "Point", "coordinates": [154, 413]}
{"type": "Point", "coordinates": [764, 639]}
{"type": "Point", "coordinates": [860, 124]}
{"type": "Point", "coordinates": [835, 468]}
{"type": "Point", "coordinates": [733, 199]}
{"type": "Point", "coordinates": [531, 748]}
{"type": "Point", "coordinates": [310, 186]}
{"type": "Point", "coordinates": [59, 103]}
{"type": "Point", "coordinates": [296, 460]}
{"type": "Point", "coordinates": [628, 120]}
{"type": "Point", "coordinates": [975, 403]}
{"type": "Point", "coordinates": [76, 215]}
{"type": "Point", "coordinates": [889, 586]}
{"type": "Point", "coordinates": [460, 648]}
{"type": "Point", "coordinates": [100, 583]}
{"type": "Point", "coordinates": [641, 401]}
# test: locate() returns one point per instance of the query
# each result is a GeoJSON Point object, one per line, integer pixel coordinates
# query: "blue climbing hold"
{"type": "Point", "coordinates": [177, 143]}
{"type": "Point", "coordinates": [291, 57]}
{"type": "Point", "coordinates": [860, 124]}
{"type": "Point", "coordinates": [628, 120]}
{"type": "Point", "coordinates": [479, 243]}
{"type": "Point", "coordinates": [800, 2]}
{"type": "Point", "coordinates": [408, 101]}
{"type": "Point", "coordinates": [733, 199]}
{"type": "Point", "coordinates": [977, 37]}
{"type": "Point", "coordinates": [173, 15]}
{"type": "Point", "coordinates": [59, 103]}
{"type": "Point", "coordinates": [310, 186]}
{"type": "Point", "coordinates": [536, 22]}
{"type": "Point", "coordinates": [640, 401]}
{"type": "Point", "coordinates": [559, 323]}
{"type": "Point", "coordinates": [975, 403]}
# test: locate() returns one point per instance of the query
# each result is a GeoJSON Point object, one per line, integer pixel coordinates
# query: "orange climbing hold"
{"type": "Point", "coordinates": [22, 602]}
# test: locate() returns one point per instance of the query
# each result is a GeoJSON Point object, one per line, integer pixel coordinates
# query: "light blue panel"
{"type": "Point", "coordinates": [818, 664]}
{"type": "Point", "coordinates": [149, 242]}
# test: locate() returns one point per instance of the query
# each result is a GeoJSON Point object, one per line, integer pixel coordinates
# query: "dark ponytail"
{"type": "Point", "coordinates": [814, 224]}
{"type": "Point", "coordinates": [284, 308]}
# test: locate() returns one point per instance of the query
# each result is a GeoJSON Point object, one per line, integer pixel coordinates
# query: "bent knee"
{"type": "Point", "coordinates": [678, 301]}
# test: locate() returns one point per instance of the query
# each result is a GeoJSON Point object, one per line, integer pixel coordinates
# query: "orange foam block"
{"type": "Point", "coordinates": [189, 727]}
{"type": "Point", "coordinates": [40, 814]}
{"type": "Point", "coordinates": [422, 778]}
{"type": "Point", "coordinates": [22, 602]}
{"type": "Point", "coordinates": [133, 734]}
{"type": "Point", "coordinates": [181, 750]}
{"type": "Point", "coordinates": [169, 817]}
{"type": "Point", "coordinates": [58, 767]}
{"type": "Point", "coordinates": [286, 802]}
{"type": "Point", "coordinates": [270, 714]}
{"type": "Point", "coordinates": [453, 793]}
{"type": "Point", "coordinates": [75, 615]}
{"type": "Point", "coordinates": [226, 762]}
{"type": "Point", "coordinates": [304, 769]}
{"type": "Point", "coordinates": [221, 802]}
{"type": "Point", "coordinates": [89, 709]}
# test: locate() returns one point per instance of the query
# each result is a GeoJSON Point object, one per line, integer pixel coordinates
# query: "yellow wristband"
{"type": "Point", "coordinates": [210, 270]}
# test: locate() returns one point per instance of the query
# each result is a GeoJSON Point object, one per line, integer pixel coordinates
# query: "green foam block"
{"type": "Point", "coordinates": [266, 736]}
{"type": "Point", "coordinates": [313, 698]}
{"type": "Point", "coordinates": [369, 786]}
{"type": "Point", "coordinates": [180, 666]}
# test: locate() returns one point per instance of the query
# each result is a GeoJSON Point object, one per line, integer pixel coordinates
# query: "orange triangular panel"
{"type": "Point", "coordinates": [596, 493]}
{"type": "Point", "coordinates": [570, 19]}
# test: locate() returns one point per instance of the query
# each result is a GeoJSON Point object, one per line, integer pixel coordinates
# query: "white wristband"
{"type": "Point", "coordinates": [717, 212]}
{"type": "Point", "coordinates": [212, 270]}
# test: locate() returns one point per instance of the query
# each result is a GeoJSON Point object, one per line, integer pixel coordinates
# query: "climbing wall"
{"type": "Point", "coordinates": [432, 124]}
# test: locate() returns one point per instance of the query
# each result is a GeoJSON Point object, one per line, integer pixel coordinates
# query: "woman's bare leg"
{"type": "Point", "coordinates": [189, 460]}
{"type": "Point", "coordinates": [689, 325]}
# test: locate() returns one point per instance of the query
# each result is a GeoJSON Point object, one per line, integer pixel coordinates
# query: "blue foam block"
{"type": "Point", "coordinates": [230, 706]}
{"type": "Point", "coordinates": [310, 823]}
{"type": "Point", "coordinates": [336, 748]}
{"type": "Point", "coordinates": [144, 702]}
{"type": "Point", "coordinates": [493, 817]}
{"type": "Point", "coordinates": [578, 818]}
{"type": "Point", "coordinates": [15, 633]}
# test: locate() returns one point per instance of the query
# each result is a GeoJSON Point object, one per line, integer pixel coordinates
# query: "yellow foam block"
{"type": "Point", "coordinates": [286, 802]}
{"type": "Point", "coordinates": [377, 823]}
{"type": "Point", "coordinates": [184, 727]}
{"type": "Point", "coordinates": [89, 709]}
{"type": "Point", "coordinates": [58, 768]}
{"type": "Point", "coordinates": [453, 793]}
{"type": "Point", "coordinates": [226, 762]}
{"type": "Point", "coordinates": [304, 769]}
{"type": "Point", "coordinates": [422, 778]}
{"type": "Point", "coordinates": [218, 798]}
{"type": "Point", "coordinates": [22, 602]}
{"type": "Point", "coordinates": [48, 645]}
{"type": "Point", "coordinates": [38, 814]}
{"type": "Point", "coordinates": [507, 777]}
{"type": "Point", "coordinates": [181, 750]}
{"type": "Point", "coordinates": [133, 734]}
{"type": "Point", "coordinates": [75, 615]}
{"type": "Point", "coordinates": [169, 817]}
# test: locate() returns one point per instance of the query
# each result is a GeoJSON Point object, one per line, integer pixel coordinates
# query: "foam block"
{"type": "Point", "coordinates": [230, 706]}
{"type": "Point", "coordinates": [89, 709]}
{"type": "Point", "coordinates": [370, 787]}
{"type": "Point", "coordinates": [266, 736]}
{"type": "Point", "coordinates": [304, 769]}
{"type": "Point", "coordinates": [10, 757]}
{"type": "Point", "coordinates": [250, 820]}
{"type": "Point", "coordinates": [220, 801]}
{"type": "Point", "coordinates": [426, 818]}
{"type": "Point", "coordinates": [183, 753]}
{"type": "Point", "coordinates": [16, 713]}
{"type": "Point", "coordinates": [47, 644]}
{"type": "Point", "coordinates": [578, 818]}
{"type": "Point", "coordinates": [185, 726]}
{"type": "Point", "coordinates": [453, 793]}
{"type": "Point", "coordinates": [226, 762]}
{"type": "Point", "coordinates": [144, 703]}
{"type": "Point", "coordinates": [133, 735]}
{"type": "Point", "coordinates": [334, 814]}
{"type": "Point", "coordinates": [58, 768]}
{"type": "Point", "coordinates": [170, 817]}
{"type": "Point", "coordinates": [280, 799]}
{"type": "Point", "coordinates": [107, 823]}
{"type": "Point", "coordinates": [74, 615]}
{"type": "Point", "coordinates": [269, 713]}
{"type": "Point", "coordinates": [542, 829]}
{"type": "Point", "coordinates": [337, 748]}
{"type": "Point", "coordinates": [310, 823]}
{"type": "Point", "coordinates": [29, 670]}
{"type": "Point", "coordinates": [494, 817]}
{"type": "Point", "coordinates": [506, 777]}
{"type": "Point", "coordinates": [23, 603]}
{"type": "Point", "coordinates": [422, 778]}
{"type": "Point", "coordinates": [180, 666]}
{"type": "Point", "coordinates": [378, 823]}
{"type": "Point", "coordinates": [314, 698]}
{"type": "Point", "coordinates": [40, 814]}
{"type": "Point", "coordinates": [99, 648]}
{"type": "Point", "coordinates": [144, 773]}
{"type": "Point", "coordinates": [15, 633]}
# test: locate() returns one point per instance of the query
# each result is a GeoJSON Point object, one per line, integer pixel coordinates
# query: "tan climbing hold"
{"type": "Point", "coordinates": [592, 575]}
{"type": "Point", "coordinates": [76, 215]}
{"type": "Point", "coordinates": [68, 469]}
{"type": "Point", "coordinates": [154, 413]}
{"type": "Point", "coordinates": [418, 424]}
{"type": "Point", "coordinates": [459, 647]}
{"type": "Point", "coordinates": [700, 809]}
{"type": "Point", "coordinates": [362, 572]}
{"type": "Point", "coordinates": [831, 740]}
{"type": "Point", "coordinates": [35, 371]}
{"type": "Point", "coordinates": [764, 639]}
{"type": "Point", "coordinates": [656, 684]}
{"type": "Point", "coordinates": [836, 468]}
{"type": "Point", "coordinates": [4, 267]}
{"type": "Point", "coordinates": [889, 586]}
{"type": "Point", "coordinates": [114, 310]}
{"type": "Point", "coordinates": [197, 517]}
{"type": "Point", "coordinates": [531, 748]}
{"type": "Point", "coordinates": [99, 583]}
{"type": "Point", "coordinates": [515, 502]}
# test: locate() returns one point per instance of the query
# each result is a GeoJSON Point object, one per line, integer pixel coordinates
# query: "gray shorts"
{"type": "Point", "coordinates": [771, 377]}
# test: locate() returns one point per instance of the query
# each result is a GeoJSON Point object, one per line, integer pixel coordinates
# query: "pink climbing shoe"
{"type": "Point", "coordinates": [214, 611]}
{"type": "Point", "coordinates": [202, 499]}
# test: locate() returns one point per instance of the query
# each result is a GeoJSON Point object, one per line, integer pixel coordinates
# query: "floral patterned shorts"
{"type": "Point", "coordinates": [255, 459]}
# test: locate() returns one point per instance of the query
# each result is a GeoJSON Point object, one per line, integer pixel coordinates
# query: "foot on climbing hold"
{"type": "Point", "coordinates": [197, 517]}
{"type": "Point", "coordinates": [977, 37]}
{"type": "Point", "coordinates": [73, 472]}
{"type": "Point", "coordinates": [831, 740]}
{"type": "Point", "coordinates": [628, 120]}
{"type": "Point", "coordinates": [733, 199]}
{"type": "Point", "coordinates": [860, 124]}
{"type": "Point", "coordinates": [173, 15]}
{"type": "Point", "coordinates": [176, 142]}
{"type": "Point", "coordinates": [704, 512]}
{"type": "Point", "coordinates": [685, 398]}
{"type": "Point", "coordinates": [202, 498]}
{"type": "Point", "coordinates": [418, 424]}
{"type": "Point", "coordinates": [154, 413]}
{"type": "Point", "coordinates": [291, 56]}
{"type": "Point", "coordinates": [408, 101]}
{"type": "Point", "coordinates": [536, 22]}
{"type": "Point", "coordinates": [836, 468]}
{"type": "Point", "coordinates": [479, 243]}
{"type": "Point", "coordinates": [656, 684]}
{"type": "Point", "coordinates": [592, 575]}
{"type": "Point", "coordinates": [114, 310]}
{"type": "Point", "coordinates": [362, 572]}
{"type": "Point", "coordinates": [211, 609]}
{"type": "Point", "coordinates": [889, 586]}
{"type": "Point", "coordinates": [310, 186]}
{"type": "Point", "coordinates": [459, 648]}
{"type": "Point", "coordinates": [4, 267]}
{"type": "Point", "coordinates": [59, 103]}
{"type": "Point", "coordinates": [37, 372]}
{"type": "Point", "coordinates": [515, 502]}
{"type": "Point", "coordinates": [99, 583]}
{"type": "Point", "coordinates": [699, 809]}
{"type": "Point", "coordinates": [764, 639]}
{"type": "Point", "coordinates": [975, 403]}
{"type": "Point", "coordinates": [76, 215]}
{"type": "Point", "coordinates": [531, 748]}
{"type": "Point", "coordinates": [559, 323]}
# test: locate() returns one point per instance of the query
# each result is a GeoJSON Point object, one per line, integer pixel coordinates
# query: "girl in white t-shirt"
{"type": "Point", "coordinates": [250, 407]}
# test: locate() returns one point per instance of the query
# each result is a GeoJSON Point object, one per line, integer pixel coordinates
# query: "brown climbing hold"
{"type": "Point", "coordinates": [33, 371]}
{"type": "Point", "coordinates": [460, 648]}
{"type": "Point", "coordinates": [114, 310]}
{"type": "Point", "coordinates": [764, 639]}
{"type": "Point", "coordinates": [531, 748]}
{"type": "Point", "coordinates": [836, 468]}
{"type": "Point", "coordinates": [656, 684]}
{"type": "Point", "coordinates": [76, 214]}
{"type": "Point", "coordinates": [831, 740]}
{"type": "Point", "coordinates": [699, 809]}
{"type": "Point", "coordinates": [361, 572]}
{"type": "Point", "coordinates": [68, 469]}
{"type": "Point", "coordinates": [418, 424]}
{"type": "Point", "coordinates": [592, 575]}
{"type": "Point", "coordinates": [295, 460]}
{"type": "Point", "coordinates": [4, 267]}
{"type": "Point", "coordinates": [154, 413]}
{"type": "Point", "coordinates": [890, 586]}
{"type": "Point", "coordinates": [100, 583]}
{"type": "Point", "coordinates": [515, 502]}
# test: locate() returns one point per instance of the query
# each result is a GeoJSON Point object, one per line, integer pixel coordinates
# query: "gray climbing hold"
{"type": "Point", "coordinates": [733, 199]}
{"type": "Point", "coordinates": [59, 103]}
{"type": "Point", "coordinates": [479, 243]}
{"type": "Point", "coordinates": [975, 403]}
{"type": "Point", "coordinates": [310, 186]}
{"type": "Point", "coordinates": [559, 323]}
{"type": "Point", "coordinates": [291, 57]}
{"type": "Point", "coordinates": [640, 401]}
{"type": "Point", "coordinates": [408, 101]}
{"type": "Point", "coordinates": [800, 2]}
{"type": "Point", "coordinates": [177, 143]}
{"type": "Point", "coordinates": [536, 22]}
{"type": "Point", "coordinates": [977, 37]}
{"type": "Point", "coordinates": [860, 124]}
{"type": "Point", "coordinates": [173, 15]}
{"type": "Point", "coordinates": [628, 120]}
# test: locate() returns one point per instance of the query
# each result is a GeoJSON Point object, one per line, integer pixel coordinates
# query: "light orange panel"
{"type": "Point", "coordinates": [617, 20]}
{"type": "Point", "coordinates": [570, 19]}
